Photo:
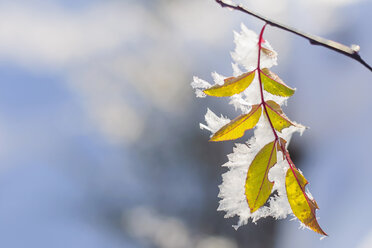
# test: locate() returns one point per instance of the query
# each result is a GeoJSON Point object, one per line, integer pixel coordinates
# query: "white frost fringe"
{"type": "Point", "coordinates": [232, 190]}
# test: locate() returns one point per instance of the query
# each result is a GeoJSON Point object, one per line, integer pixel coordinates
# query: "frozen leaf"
{"type": "Point", "coordinates": [277, 117]}
{"type": "Point", "coordinates": [257, 186]}
{"type": "Point", "coordinates": [232, 85]}
{"type": "Point", "coordinates": [274, 85]}
{"type": "Point", "coordinates": [236, 128]}
{"type": "Point", "coordinates": [302, 206]}
{"type": "Point", "coordinates": [268, 52]}
{"type": "Point", "coordinates": [261, 164]}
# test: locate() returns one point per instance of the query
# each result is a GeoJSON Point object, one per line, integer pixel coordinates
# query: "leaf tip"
{"type": "Point", "coordinates": [254, 209]}
{"type": "Point", "coordinates": [213, 139]}
{"type": "Point", "coordinates": [319, 230]}
{"type": "Point", "coordinates": [207, 92]}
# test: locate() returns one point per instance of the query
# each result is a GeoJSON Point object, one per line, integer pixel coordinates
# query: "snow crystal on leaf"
{"type": "Point", "coordinates": [246, 50]}
{"type": "Point", "coordinates": [239, 103]}
{"type": "Point", "coordinates": [214, 123]}
{"type": "Point", "coordinates": [236, 70]}
{"type": "Point", "coordinates": [199, 85]}
{"type": "Point", "coordinates": [218, 78]}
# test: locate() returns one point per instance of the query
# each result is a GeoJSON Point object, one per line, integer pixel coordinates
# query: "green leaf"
{"type": "Point", "coordinates": [257, 186]}
{"type": "Point", "coordinates": [302, 206]}
{"type": "Point", "coordinates": [236, 128]}
{"type": "Point", "coordinates": [276, 115]}
{"type": "Point", "coordinates": [232, 85]}
{"type": "Point", "coordinates": [274, 85]}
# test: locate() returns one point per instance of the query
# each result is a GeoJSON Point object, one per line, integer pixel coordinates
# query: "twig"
{"type": "Point", "coordinates": [313, 39]}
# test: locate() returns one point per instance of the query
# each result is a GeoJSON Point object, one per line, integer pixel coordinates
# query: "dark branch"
{"type": "Point", "coordinates": [313, 39]}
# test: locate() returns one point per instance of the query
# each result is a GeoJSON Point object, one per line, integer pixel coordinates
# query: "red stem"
{"type": "Point", "coordinates": [284, 150]}
{"type": "Point", "coordinates": [260, 40]}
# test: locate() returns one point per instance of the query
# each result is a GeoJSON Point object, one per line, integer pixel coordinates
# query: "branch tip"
{"type": "Point", "coordinates": [351, 52]}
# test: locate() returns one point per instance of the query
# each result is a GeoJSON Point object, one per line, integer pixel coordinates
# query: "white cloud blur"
{"type": "Point", "coordinates": [53, 36]}
{"type": "Point", "coordinates": [109, 51]}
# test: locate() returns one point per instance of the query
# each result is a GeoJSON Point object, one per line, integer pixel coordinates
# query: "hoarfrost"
{"type": "Point", "coordinates": [232, 190]}
{"type": "Point", "coordinates": [213, 122]}
{"type": "Point", "coordinates": [246, 50]}
{"type": "Point", "coordinates": [199, 85]}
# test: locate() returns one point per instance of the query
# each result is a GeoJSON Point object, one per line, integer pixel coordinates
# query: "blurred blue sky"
{"type": "Point", "coordinates": [99, 137]}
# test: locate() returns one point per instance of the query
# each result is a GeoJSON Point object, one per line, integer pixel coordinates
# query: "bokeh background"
{"type": "Point", "coordinates": [100, 143]}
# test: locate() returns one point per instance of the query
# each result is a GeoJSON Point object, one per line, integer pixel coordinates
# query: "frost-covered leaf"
{"type": "Point", "coordinates": [267, 50]}
{"type": "Point", "coordinates": [236, 128]}
{"type": "Point", "coordinates": [257, 186]}
{"type": "Point", "coordinates": [232, 85]}
{"type": "Point", "coordinates": [277, 117]}
{"type": "Point", "coordinates": [302, 206]}
{"type": "Point", "coordinates": [274, 85]}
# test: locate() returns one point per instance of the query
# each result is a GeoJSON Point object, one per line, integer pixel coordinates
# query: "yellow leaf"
{"type": "Point", "coordinates": [232, 85]}
{"type": "Point", "coordinates": [276, 115]}
{"type": "Point", "coordinates": [274, 85]}
{"type": "Point", "coordinates": [236, 128]}
{"type": "Point", "coordinates": [302, 206]}
{"type": "Point", "coordinates": [257, 186]}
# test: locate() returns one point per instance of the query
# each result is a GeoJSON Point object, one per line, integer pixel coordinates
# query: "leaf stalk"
{"type": "Point", "coordinates": [260, 40]}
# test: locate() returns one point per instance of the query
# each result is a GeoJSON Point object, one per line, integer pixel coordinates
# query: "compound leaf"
{"type": "Point", "coordinates": [232, 85]}
{"type": "Point", "coordinates": [274, 85]}
{"type": "Point", "coordinates": [302, 206]}
{"type": "Point", "coordinates": [276, 115]}
{"type": "Point", "coordinates": [257, 186]}
{"type": "Point", "coordinates": [236, 128]}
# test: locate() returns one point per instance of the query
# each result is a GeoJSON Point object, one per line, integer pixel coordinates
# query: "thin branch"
{"type": "Point", "coordinates": [313, 39]}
